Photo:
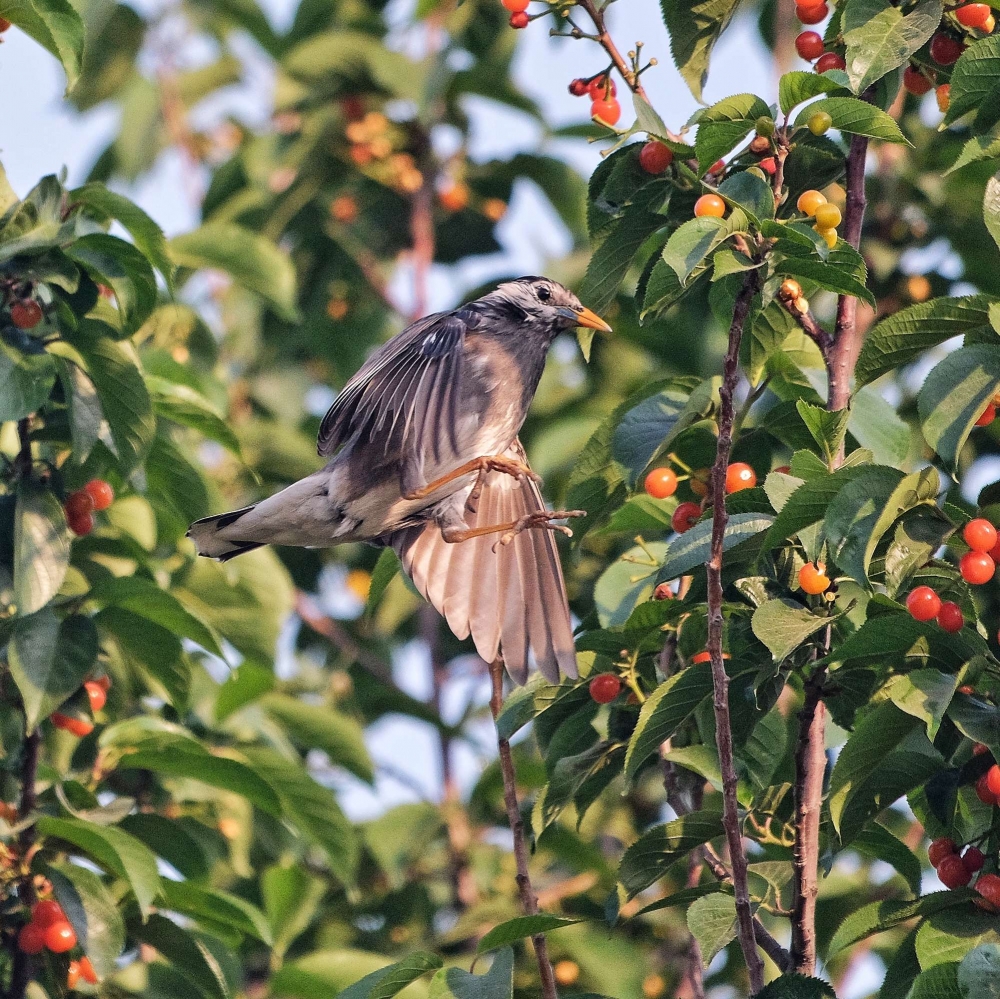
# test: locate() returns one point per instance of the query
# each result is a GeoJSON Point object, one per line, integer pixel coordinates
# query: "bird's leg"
{"type": "Point", "coordinates": [483, 465]}
{"type": "Point", "coordinates": [510, 530]}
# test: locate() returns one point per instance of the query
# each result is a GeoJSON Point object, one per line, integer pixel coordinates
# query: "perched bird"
{"type": "Point", "coordinates": [424, 457]}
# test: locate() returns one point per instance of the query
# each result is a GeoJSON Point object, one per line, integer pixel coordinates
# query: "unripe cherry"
{"type": "Point", "coordinates": [709, 205]}
{"type": "Point", "coordinates": [739, 475]}
{"type": "Point", "coordinates": [820, 123]}
{"type": "Point", "coordinates": [661, 483]}
{"type": "Point", "coordinates": [974, 15]}
{"type": "Point", "coordinates": [813, 578]}
{"type": "Point", "coordinates": [809, 201]}
{"type": "Point", "coordinates": [608, 110]}
{"type": "Point", "coordinates": [827, 216]}
{"type": "Point", "coordinates": [943, 97]}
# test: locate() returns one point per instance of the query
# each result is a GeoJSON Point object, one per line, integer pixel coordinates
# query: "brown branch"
{"type": "Point", "coordinates": [422, 234]}
{"type": "Point", "coordinates": [529, 902]}
{"type": "Point", "coordinates": [720, 679]}
{"type": "Point", "coordinates": [812, 329]}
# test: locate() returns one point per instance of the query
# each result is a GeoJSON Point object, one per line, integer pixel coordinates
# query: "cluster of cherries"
{"type": "Point", "coordinates": [956, 870]}
{"type": "Point", "coordinates": [518, 12]}
{"type": "Point", "coordinates": [49, 929]}
{"type": "Point", "coordinates": [97, 696]}
{"type": "Point", "coordinates": [81, 505]}
{"type": "Point", "coordinates": [826, 217]}
{"type": "Point", "coordinates": [661, 483]}
{"type": "Point", "coordinates": [604, 104]}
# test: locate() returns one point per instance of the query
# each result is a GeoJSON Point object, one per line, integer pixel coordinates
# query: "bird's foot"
{"type": "Point", "coordinates": [539, 519]}
{"type": "Point", "coordinates": [497, 463]}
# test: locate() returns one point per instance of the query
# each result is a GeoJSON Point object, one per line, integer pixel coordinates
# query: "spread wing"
{"type": "Point", "coordinates": [405, 396]}
{"type": "Point", "coordinates": [513, 599]}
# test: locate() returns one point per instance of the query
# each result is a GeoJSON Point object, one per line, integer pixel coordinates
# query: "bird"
{"type": "Point", "coordinates": [424, 457]}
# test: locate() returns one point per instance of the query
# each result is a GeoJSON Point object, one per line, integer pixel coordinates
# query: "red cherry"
{"type": "Point", "coordinates": [940, 849]}
{"type": "Point", "coordinates": [514, 6]}
{"type": "Point", "coordinates": [87, 970]}
{"type": "Point", "coordinates": [980, 535]}
{"type": "Point", "coordinates": [974, 15]}
{"type": "Point", "coordinates": [976, 568]}
{"type": "Point", "coordinates": [655, 157]}
{"type": "Point", "coordinates": [945, 49]}
{"type": "Point", "coordinates": [717, 167]}
{"type": "Point", "coordinates": [828, 61]}
{"type": "Point", "coordinates": [609, 110]}
{"type": "Point", "coordinates": [661, 483]}
{"type": "Point", "coordinates": [578, 87]}
{"type": "Point", "coordinates": [4, 25]}
{"type": "Point", "coordinates": [809, 45]}
{"type": "Point", "coordinates": [663, 592]}
{"type": "Point", "coordinates": [81, 524]}
{"type": "Point", "coordinates": [701, 657]}
{"type": "Point", "coordinates": [740, 475]}
{"type": "Point", "coordinates": [987, 416]}
{"type": "Point", "coordinates": [988, 885]}
{"type": "Point", "coordinates": [983, 792]}
{"type": "Point", "coordinates": [812, 14]}
{"type": "Point", "coordinates": [916, 82]}
{"type": "Point", "coordinates": [100, 492]}
{"type": "Point", "coordinates": [600, 87]}
{"type": "Point", "coordinates": [974, 859]}
{"type": "Point", "coordinates": [769, 165]}
{"type": "Point", "coordinates": [952, 872]}
{"type": "Point", "coordinates": [60, 937]}
{"type": "Point", "coordinates": [77, 726]}
{"type": "Point", "coordinates": [26, 314]}
{"type": "Point", "coordinates": [685, 517]}
{"type": "Point", "coordinates": [966, 689]}
{"type": "Point", "coordinates": [993, 780]}
{"type": "Point", "coordinates": [605, 687]}
{"type": "Point", "coordinates": [519, 19]}
{"type": "Point", "coordinates": [73, 975]}
{"type": "Point", "coordinates": [31, 939]}
{"type": "Point", "coordinates": [923, 603]}
{"type": "Point", "coordinates": [47, 912]}
{"type": "Point", "coordinates": [78, 503]}
{"type": "Point", "coordinates": [95, 693]}
{"type": "Point", "coordinates": [950, 617]}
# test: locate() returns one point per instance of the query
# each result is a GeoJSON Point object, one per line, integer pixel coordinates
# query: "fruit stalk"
{"type": "Point", "coordinates": [529, 901]}
{"type": "Point", "coordinates": [720, 679]}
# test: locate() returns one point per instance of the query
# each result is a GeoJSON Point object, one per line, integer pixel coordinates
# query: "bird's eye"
{"type": "Point", "coordinates": [544, 294]}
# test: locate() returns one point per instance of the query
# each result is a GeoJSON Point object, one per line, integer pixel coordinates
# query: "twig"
{"type": "Point", "coordinates": [422, 233]}
{"type": "Point", "coordinates": [528, 901]}
{"type": "Point", "coordinates": [720, 679]}
{"type": "Point", "coordinates": [22, 463]}
{"type": "Point", "coordinates": [812, 329]}
{"type": "Point", "coordinates": [20, 974]}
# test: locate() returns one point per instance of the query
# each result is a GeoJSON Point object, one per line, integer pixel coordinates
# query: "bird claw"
{"type": "Point", "coordinates": [540, 518]}
{"type": "Point", "coordinates": [498, 463]}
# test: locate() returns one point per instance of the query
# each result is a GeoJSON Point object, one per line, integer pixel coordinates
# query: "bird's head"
{"type": "Point", "coordinates": [544, 303]}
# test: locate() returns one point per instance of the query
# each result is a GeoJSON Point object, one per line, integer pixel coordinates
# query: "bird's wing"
{"type": "Point", "coordinates": [514, 598]}
{"type": "Point", "coordinates": [405, 395]}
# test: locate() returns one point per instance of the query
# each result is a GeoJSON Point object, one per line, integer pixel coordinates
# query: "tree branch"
{"type": "Point", "coordinates": [720, 679]}
{"type": "Point", "coordinates": [528, 901]}
{"type": "Point", "coordinates": [20, 974]}
{"type": "Point", "coordinates": [811, 328]}
{"type": "Point", "coordinates": [422, 234]}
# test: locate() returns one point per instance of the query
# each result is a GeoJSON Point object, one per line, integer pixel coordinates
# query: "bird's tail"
{"type": "Point", "coordinates": [205, 535]}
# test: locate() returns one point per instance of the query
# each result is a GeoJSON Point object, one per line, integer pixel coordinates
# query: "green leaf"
{"type": "Point", "coordinates": [396, 977]}
{"type": "Point", "coordinates": [828, 429]}
{"type": "Point", "coordinates": [979, 972]}
{"type": "Point", "coordinates": [249, 258]}
{"type": "Point", "coordinates": [783, 625]}
{"type": "Point", "coordinates": [974, 79]}
{"type": "Point", "coordinates": [668, 707]}
{"type": "Point", "coordinates": [794, 986]}
{"type": "Point", "coordinates": [906, 335]}
{"type": "Point", "coordinates": [647, 119]}
{"type": "Point", "coordinates": [41, 548]}
{"type": "Point", "coordinates": [880, 39]}
{"type": "Point", "coordinates": [520, 927]}
{"type": "Point", "coordinates": [386, 569]}
{"type": "Point", "coordinates": [55, 25]}
{"type": "Point", "coordinates": [183, 405]}
{"type": "Point", "coordinates": [843, 272]}
{"type": "Point", "coordinates": [712, 922]}
{"type": "Point", "coordinates": [92, 911]}
{"type": "Point", "coordinates": [49, 659]}
{"type": "Point", "coordinates": [798, 86]}
{"type": "Point", "coordinates": [26, 377]}
{"type": "Point", "coordinates": [692, 242]}
{"type": "Point", "coordinates": [751, 193]}
{"type": "Point", "coordinates": [186, 953]}
{"type": "Point", "coordinates": [497, 983]}
{"type": "Point", "coordinates": [692, 549]}
{"type": "Point", "coordinates": [317, 727]}
{"type": "Point", "coordinates": [649, 857]}
{"type": "Point", "coordinates": [684, 897]}
{"type": "Point", "coordinates": [84, 406]}
{"type": "Point", "coordinates": [877, 842]}
{"type": "Point", "coordinates": [694, 28]}
{"type": "Point", "coordinates": [947, 937]}
{"type": "Point", "coordinates": [627, 582]}
{"type": "Point", "coordinates": [924, 694]}
{"type": "Point", "coordinates": [875, 425]}
{"type": "Point", "coordinates": [291, 898]}
{"type": "Point", "coordinates": [855, 117]}
{"type": "Point", "coordinates": [214, 906]}
{"type": "Point", "coordinates": [611, 261]}
{"type": "Point", "coordinates": [991, 208]}
{"type": "Point", "coordinates": [939, 982]}
{"type": "Point", "coordinates": [725, 124]}
{"type": "Point", "coordinates": [953, 396]}
{"type": "Point", "coordinates": [976, 149]}
{"type": "Point", "coordinates": [114, 850]}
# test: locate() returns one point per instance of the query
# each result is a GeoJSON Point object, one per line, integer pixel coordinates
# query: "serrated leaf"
{"type": "Point", "coordinates": [975, 150]}
{"type": "Point", "coordinates": [877, 842]}
{"type": "Point", "coordinates": [693, 547]}
{"type": "Point", "coordinates": [798, 86]}
{"type": "Point", "coordinates": [854, 116]}
{"type": "Point", "coordinates": [55, 25]}
{"type": "Point", "coordinates": [26, 377]}
{"type": "Point", "coordinates": [497, 983]}
{"type": "Point", "coordinates": [783, 625]}
{"type": "Point", "coordinates": [827, 428]}
{"type": "Point", "coordinates": [991, 208]}
{"type": "Point", "coordinates": [184, 405]}
{"type": "Point", "coordinates": [692, 242]}
{"type": "Point", "coordinates": [41, 548]}
{"type": "Point", "coordinates": [215, 906]}
{"type": "Point", "coordinates": [627, 582]}
{"type": "Point", "coordinates": [712, 922]}
{"type": "Point", "coordinates": [794, 986]}
{"type": "Point", "coordinates": [924, 694]}
{"type": "Point", "coordinates": [751, 193]}
{"type": "Point", "coordinates": [843, 271]}
{"type": "Point", "coordinates": [186, 952]}
{"type": "Point", "coordinates": [92, 911]}
{"type": "Point", "coordinates": [974, 79]}
{"type": "Point", "coordinates": [875, 425]}
{"type": "Point", "coordinates": [611, 261]}
{"type": "Point", "coordinates": [520, 927]}
{"type": "Point", "coordinates": [694, 28]}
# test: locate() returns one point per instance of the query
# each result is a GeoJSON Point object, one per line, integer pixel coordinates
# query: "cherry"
{"type": "Point", "coordinates": [809, 201]}
{"type": "Point", "coordinates": [829, 235]}
{"type": "Point", "coordinates": [813, 578]}
{"type": "Point", "coordinates": [494, 209]}
{"type": "Point", "coordinates": [974, 859]}
{"type": "Point", "coordinates": [945, 49]}
{"type": "Point", "coordinates": [979, 748]}
{"type": "Point", "coordinates": [605, 687]}
{"type": "Point", "coordinates": [607, 109]}
{"type": "Point", "coordinates": [764, 126]}
{"type": "Point", "coordinates": [602, 86]}
{"type": "Point", "coordinates": [952, 872]}
{"type": "Point", "coordinates": [974, 15]}
{"type": "Point", "coordinates": [77, 726]}
{"type": "Point", "coordinates": [78, 503]}
{"type": "Point", "coordinates": [987, 416]}
{"type": "Point", "coordinates": [977, 568]}
{"type": "Point", "coordinates": [26, 314]}
{"type": "Point", "coordinates": [515, 5]}
{"type": "Point", "coordinates": [73, 975]}
{"type": "Point", "coordinates": [983, 792]}
{"type": "Point", "coordinates": [827, 216]}
{"type": "Point", "coordinates": [100, 492]}
{"type": "Point", "coordinates": [663, 592]}
{"type": "Point", "coordinates": [47, 912]}
{"type": "Point", "coordinates": [578, 87]}
{"type": "Point", "coordinates": [809, 45]}
{"type": "Point", "coordinates": [699, 481]}
{"type": "Point", "coordinates": [784, 469]}
{"type": "Point", "coordinates": [988, 885]}
{"type": "Point", "coordinates": [87, 970]}
{"type": "Point", "coordinates": [717, 167]}
{"type": "Point", "coordinates": [950, 617]}
{"type": "Point", "coordinates": [939, 849]}
{"type": "Point", "coordinates": [661, 483]}
{"type": "Point", "coordinates": [943, 97]}
{"type": "Point", "coordinates": [96, 695]}
{"type": "Point", "coordinates": [790, 289]}
{"type": "Point", "coordinates": [454, 197]}
{"type": "Point", "coordinates": [104, 682]}
{"type": "Point", "coordinates": [709, 205]}
{"type": "Point", "coordinates": [980, 535]}
{"type": "Point", "coordinates": [812, 14]}
{"type": "Point", "coordinates": [769, 165]}
{"type": "Point", "coordinates": [923, 603]}
{"type": "Point", "coordinates": [759, 144]}
{"type": "Point", "coordinates": [966, 688]}
{"type": "Point", "coordinates": [701, 657]}
{"type": "Point", "coordinates": [740, 475]}
{"type": "Point", "coordinates": [993, 780]}
{"type": "Point", "coordinates": [820, 123]}
{"type": "Point", "coordinates": [655, 157]}
{"type": "Point", "coordinates": [828, 61]}
{"type": "Point", "coordinates": [915, 82]}
{"type": "Point", "coordinates": [685, 517]}
{"type": "Point", "coordinates": [519, 19]}
{"type": "Point", "coordinates": [82, 524]}
{"type": "Point", "coordinates": [60, 937]}
{"type": "Point", "coordinates": [31, 939]}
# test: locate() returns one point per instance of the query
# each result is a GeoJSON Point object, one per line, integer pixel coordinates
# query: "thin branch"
{"type": "Point", "coordinates": [529, 903]}
{"type": "Point", "coordinates": [720, 679]}
{"type": "Point", "coordinates": [20, 974]}
{"type": "Point", "coordinates": [812, 329]}
{"type": "Point", "coordinates": [22, 463]}
{"type": "Point", "coordinates": [422, 234]}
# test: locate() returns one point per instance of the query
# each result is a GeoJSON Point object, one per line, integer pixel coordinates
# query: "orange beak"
{"type": "Point", "coordinates": [584, 317]}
